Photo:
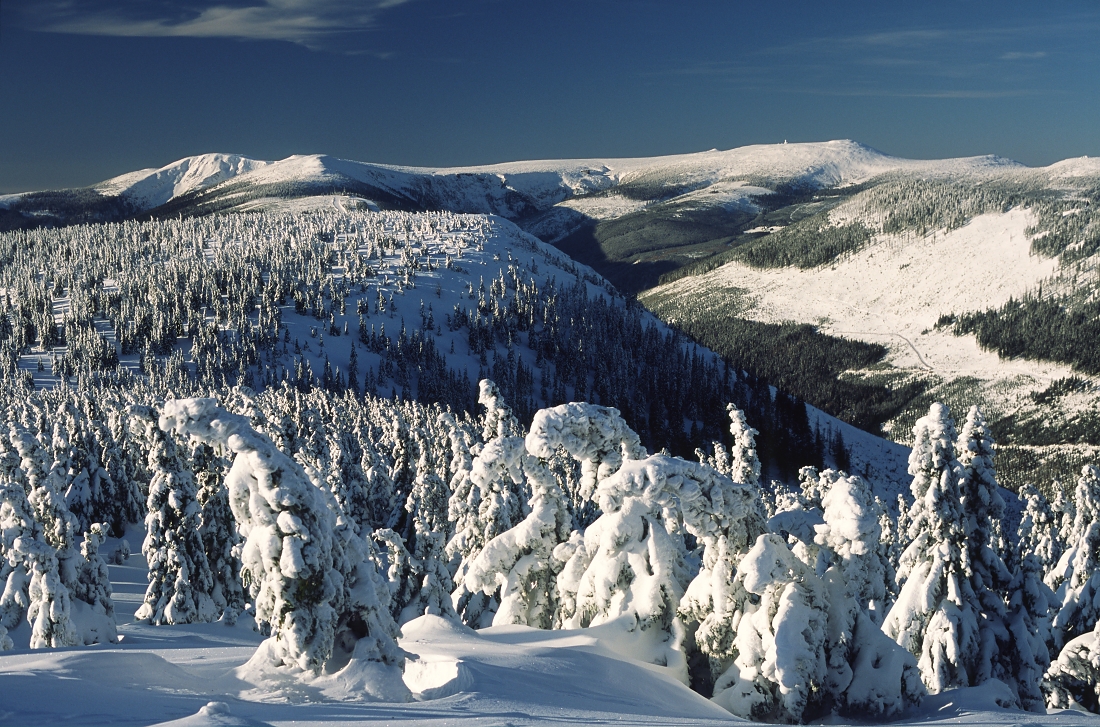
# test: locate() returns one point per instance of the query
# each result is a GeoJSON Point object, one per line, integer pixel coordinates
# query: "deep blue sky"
{"type": "Point", "coordinates": [90, 88]}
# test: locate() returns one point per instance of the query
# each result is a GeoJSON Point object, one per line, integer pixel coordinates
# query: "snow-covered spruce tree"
{"type": "Point", "coordinates": [780, 669]}
{"type": "Point", "coordinates": [1065, 511]}
{"type": "Point", "coordinates": [1028, 623]}
{"type": "Point", "coordinates": [127, 502]}
{"type": "Point", "coordinates": [419, 581]}
{"type": "Point", "coordinates": [983, 508]}
{"type": "Point", "coordinates": [49, 604]}
{"type": "Point", "coordinates": [427, 502]}
{"type": "Point", "coordinates": [464, 502]}
{"type": "Point", "coordinates": [744, 464]}
{"type": "Point", "coordinates": [46, 501]}
{"type": "Point", "coordinates": [69, 468]}
{"type": "Point", "coordinates": [714, 600]}
{"type": "Point", "coordinates": [180, 580]}
{"type": "Point", "coordinates": [1037, 533]}
{"type": "Point", "coordinates": [869, 675]}
{"type": "Point", "coordinates": [805, 645]}
{"type": "Point", "coordinates": [1074, 678]}
{"type": "Point", "coordinates": [313, 584]}
{"type": "Point", "coordinates": [520, 563]}
{"type": "Point", "coordinates": [495, 494]}
{"type": "Point", "coordinates": [218, 531]}
{"type": "Point", "coordinates": [936, 615]}
{"type": "Point", "coordinates": [595, 436]}
{"type": "Point", "coordinates": [631, 565]}
{"type": "Point", "coordinates": [1079, 592]}
{"type": "Point", "coordinates": [93, 587]}
{"type": "Point", "coordinates": [16, 521]}
{"type": "Point", "coordinates": [499, 420]}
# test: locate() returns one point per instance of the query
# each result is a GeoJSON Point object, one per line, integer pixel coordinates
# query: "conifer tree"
{"type": "Point", "coordinates": [93, 586]}
{"type": "Point", "coordinates": [521, 563]}
{"type": "Point", "coordinates": [49, 604]}
{"type": "Point", "coordinates": [936, 615]}
{"type": "Point", "coordinates": [983, 509]}
{"type": "Point", "coordinates": [16, 521]}
{"type": "Point", "coordinates": [1037, 533]}
{"type": "Point", "coordinates": [218, 532]}
{"type": "Point", "coordinates": [310, 574]}
{"type": "Point", "coordinates": [1028, 623]}
{"type": "Point", "coordinates": [180, 580]}
{"type": "Point", "coordinates": [744, 464]}
{"type": "Point", "coordinates": [1079, 592]}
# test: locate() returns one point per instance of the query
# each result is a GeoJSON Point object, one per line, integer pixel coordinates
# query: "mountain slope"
{"type": "Point", "coordinates": [895, 265]}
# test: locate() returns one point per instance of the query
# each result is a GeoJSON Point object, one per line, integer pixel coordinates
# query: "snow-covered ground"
{"type": "Point", "coordinates": [189, 675]}
{"type": "Point", "coordinates": [541, 183]}
{"type": "Point", "coordinates": [893, 291]}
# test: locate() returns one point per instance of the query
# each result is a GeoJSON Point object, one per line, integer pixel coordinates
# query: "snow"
{"type": "Point", "coordinates": [893, 292]}
{"type": "Point", "coordinates": [499, 188]}
{"type": "Point", "coordinates": [150, 188]}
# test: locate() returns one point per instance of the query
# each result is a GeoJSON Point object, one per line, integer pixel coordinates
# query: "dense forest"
{"type": "Point", "coordinates": [327, 301]}
{"type": "Point", "coordinates": [1051, 329]}
{"type": "Point", "coordinates": [287, 403]}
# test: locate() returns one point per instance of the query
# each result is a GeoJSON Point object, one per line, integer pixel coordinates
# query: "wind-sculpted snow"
{"type": "Point", "coordinates": [299, 573]}
{"type": "Point", "coordinates": [287, 529]}
{"type": "Point", "coordinates": [596, 436]}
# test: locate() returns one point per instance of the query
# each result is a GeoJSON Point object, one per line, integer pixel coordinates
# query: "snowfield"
{"type": "Point", "coordinates": [893, 291]}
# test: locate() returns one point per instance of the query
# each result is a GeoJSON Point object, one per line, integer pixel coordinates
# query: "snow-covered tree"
{"type": "Point", "coordinates": [807, 645]}
{"type": "Point", "coordinates": [1037, 533]}
{"type": "Point", "coordinates": [631, 564]}
{"type": "Point", "coordinates": [287, 558]}
{"type": "Point", "coordinates": [740, 463]}
{"type": "Point", "coordinates": [1028, 623]}
{"type": "Point", "coordinates": [49, 605]}
{"type": "Point", "coordinates": [46, 501]}
{"type": "Point", "coordinates": [418, 582]}
{"type": "Point", "coordinates": [983, 509]}
{"type": "Point", "coordinates": [595, 436]}
{"type": "Point", "coordinates": [93, 587]}
{"type": "Point", "coordinates": [488, 500]}
{"type": "Point", "coordinates": [869, 675]}
{"type": "Point", "coordinates": [780, 669]}
{"type": "Point", "coordinates": [310, 575]}
{"type": "Point", "coordinates": [714, 601]}
{"type": "Point", "coordinates": [936, 615]}
{"type": "Point", "coordinates": [218, 531]}
{"type": "Point", "coordinates": [16, 521]}
{"type": "Point", "coordinates": [1074, 678]}
{"type": "Point", "coordinates": [1079, 590]}
{"type": "Point", "coordinates": [744, 464]}
{"type": "Point", "coordinates": [180, 580]}
{"type": "Point", "coordinates": [520, 564]}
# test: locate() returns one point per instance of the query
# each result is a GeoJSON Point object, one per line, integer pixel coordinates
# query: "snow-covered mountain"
{"type": "Point", "coordinates": [639, 220]}
{"type": "Point", "coordinates": [150, 188]}
{"type": "Point", "coordinates": [977, 283]}
{"type": "Point", "coordinates": [514, 190]}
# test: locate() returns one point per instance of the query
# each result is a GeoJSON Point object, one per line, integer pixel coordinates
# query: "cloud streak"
{"type": "Point", "coordinates": [312, 23]}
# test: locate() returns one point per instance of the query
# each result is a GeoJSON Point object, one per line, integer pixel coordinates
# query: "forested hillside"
{"type": "Point", "coordinates": [853, 306]}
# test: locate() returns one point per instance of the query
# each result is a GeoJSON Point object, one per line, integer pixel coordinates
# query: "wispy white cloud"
{"type": "Point", "coordinates": [312, 23]}
{"type": "Point", "coordinates": [1018, 56]}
